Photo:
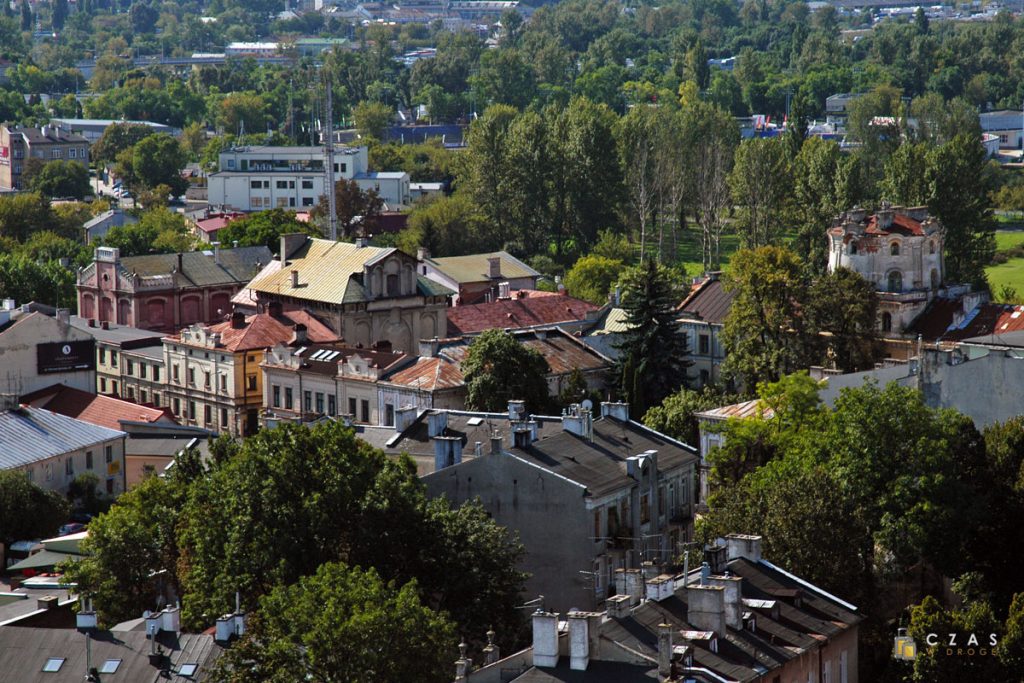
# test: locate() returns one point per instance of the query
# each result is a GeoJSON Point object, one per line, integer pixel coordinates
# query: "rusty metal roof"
{"type": "Point", "coordinates": [742, 411]}
{"type": "Point", "coordinates": [429, 374]}
{"type": "Point", "coordinates": [529, 311]}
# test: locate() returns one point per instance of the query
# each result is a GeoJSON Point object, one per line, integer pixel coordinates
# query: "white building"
{"type": "Point", "coordinates": [37, 350]}
{"type": "Point", "coordinates": [52, 449]}
{"type": "Point", "coordinates": [249, 49]}
{"type": "Point", "coordinates": [1007, 125]}
{"type": "Point", "coordinates": [266, 177]}
{"type": "Point", "coordinates": [899, 251]}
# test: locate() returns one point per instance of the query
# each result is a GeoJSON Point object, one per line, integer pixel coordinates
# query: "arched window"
{"type": "Point", "coordinates": [895, 281]}
{"type": "Point", "coordinates": [931, 247]}
{"type": "Point", "coordinates": [894, 249]}
{"type": "Point", "coordinates": [853, 248]}
{"type": "Point", "coordinates": [886, 322]}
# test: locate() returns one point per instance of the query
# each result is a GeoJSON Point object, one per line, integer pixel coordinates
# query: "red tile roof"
{"type": "Point", "coordinates": [901, 225]}
{"type": "Point", "coordinates": [105, 411]}
{"type": "Point", "coordinates": [939, 321]}
{"type": "Point", "coordinates": [263, 330]}
{"type": "Point", "coordinates": [515, 313]}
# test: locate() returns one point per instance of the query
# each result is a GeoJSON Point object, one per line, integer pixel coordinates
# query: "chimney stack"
{"type": "Point", "coordinates": [429, 347]}
{"type": "Point", "coordinates": [496, 444]}
{"type": "Point", "coordinates": [275, 309]}
{"type": "Point", "coordinates": [494, 267]}
{"type": "Point", "coordinates": [745, 546]}
{"type": "Point", "coordinates": [630, 583]}
{"type": "Point", "coordinates": [733, 599]}
{"type": "Point", "coordinates": [422, 254]}
{"type": "Point", "coordinates": [716, 558]}
{"type": "Point", "coordinates": [289, 243]}
{"type": "Point", "coordinates": [216, 253]}
{"type": "Point", "coordinates": [521, 437]}
{"type": "Point", "coordinates": [545, 638]}
{"type": "Point", "coordinates": [404, 417]}
{"type": "Point", "coordinates": [618, 605]}
{"type": "Point", "coordinates": [437, 422]}
{"type": "Point", "coordinates": [579, 641]}
{"type": "Point", "coordinates": [516, 411]}
{"type": "Point", "coordinates": [295, 279]}
{"type": "Point", "coordinates": [706, 608]}
{"type": "Point", "coordinates": [578, 421]}
{"type": "Point", "coordinates": [64, 315]}
{"type": "Point", "coordinates": [237, 320]}
{"type": "Point", "coordinates": [447, 451]}
{"type": "Point", "coordinates": [615, 410]}
{"type": "Point", "coordinates": [664, 651]}
{"type": "Point", "coordinates": [300, 335]}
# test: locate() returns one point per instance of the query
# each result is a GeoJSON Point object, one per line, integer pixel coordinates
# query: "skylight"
{"type": "Point", "coordinates": [53, 664]}
{"type": "Point", "coordinates": [110, 666]}
{"type": "Point", "coordinates": [474, 421]}
{"type": "Point", "coordinates": [188, 670]}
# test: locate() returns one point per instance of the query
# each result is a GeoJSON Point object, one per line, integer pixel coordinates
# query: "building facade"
{"type": "Point", "coordinates": [898, 250]}
{"type": "Point", "coordinates": [479, 277]}
{"type": "Point", "coordinates": [38, 350]}
{"type": "Point", "coordinates": [19, 145]}
{"type": "Point", "coordinates": [702, 317]}
{"type": "Point", "coordinates": [266, 177]}
{"type": "Point", "coordinates": [366, 294]}
{"type": "Point", "coordinates": [165, 292]}
{"type": "Point", "coordinates": [112, 341]}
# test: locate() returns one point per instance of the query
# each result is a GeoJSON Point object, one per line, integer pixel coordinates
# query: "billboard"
{"type": "Point", "coordinates": [66, 356]}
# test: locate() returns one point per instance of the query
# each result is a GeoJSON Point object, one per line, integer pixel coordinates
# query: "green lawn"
{"type": "Point", "coordinates": [1006, 239]}
{"type": "Point", "coordinates": [1011, 273]}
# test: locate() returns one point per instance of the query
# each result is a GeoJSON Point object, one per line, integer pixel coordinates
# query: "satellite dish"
{"type": "Point", "coordinates": [587, 404]}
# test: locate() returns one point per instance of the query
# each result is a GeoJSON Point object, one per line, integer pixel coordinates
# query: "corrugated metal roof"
{"type": "Point", "coordinates": [28, 435]}
{"type": "Point", "coordinates": [709, 302]}
{"type": "Point", "coordinates": [476, 267]}
{"type": "Point", "coordinates": [429, 374]}
{"type": "Point", "coordinates": [325, 269]}
{"type": "Point", "coordinates": [742, 411]}
{"type": "Point", "coordinates": [516, 313]}
{"type": "Point", "coordinates": [201, 268]}
{"type": "Point", "coordinates": [612, 322]}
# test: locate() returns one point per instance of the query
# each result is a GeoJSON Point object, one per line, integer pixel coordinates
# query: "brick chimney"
{"type": "Point", "coordinates": [238, 320]}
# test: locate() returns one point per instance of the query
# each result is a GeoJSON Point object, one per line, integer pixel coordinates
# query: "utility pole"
{"type": "Point", "coordinates": [332, 208]}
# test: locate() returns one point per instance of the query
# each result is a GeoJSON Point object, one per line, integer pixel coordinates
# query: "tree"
{"type": "Point", "coordinates": [372, 119]}
{"type": "Point", "coordinates": [906, 175]}
{"type": "Point", "coordinates": [712, 137]}
{"type": "Point", "coordinates": [447, 226]}
{"type": "Point", "coordinates": [23, 279]}
{"type": "Point", "coordinates": [504, 77]}
{"type": "Point", "coordinates": [157, 160]}
{"type": "Point", "coordinates": [841, 313]}
{"type": "Point", "coordinates": [675, 416]}
{"type": "Point", "coordinates": [26, 16]}
{"type": "Point", "coordinates": [823, 187]}
{"type": "Point", "coordinates": [27, 511]}
{"type": "Point", "coordinates": [653, 351]}
{"type": "Point", "coordinates": [934, 664]}
{"type": "Point", "coordinates": [25, 213]}
{"type": "Point", "coordinates": [763, 333]}
{"type": "Point", "coordinates": [342, 624]}
{"type": "Point", "coordinates": [959, 181]}
{"type": "Point", "coordinates": [760, 183]}
{"type": "Point", "coordinates": [116, 138]}
{"type": "Point", "coordinates": [497, 369]}
{"type": "Point", "coordinates": [159, 231]}
{"type": "Point", "coordinates": [357, 210]}
{"type": "Point", "coordinates": [242, 112]}
{"type": "Point", "coordinates": [591, 278]}
{"type": "Point", "coordinates": [264, 228]}
{"type": "Point", "coordinates": [58, 14]}
{"type": "Point", "coordinates": [84, 492]}
{"type": "Point", "coordinates": [60, 178]}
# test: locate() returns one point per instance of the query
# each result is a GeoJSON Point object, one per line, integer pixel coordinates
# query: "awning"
{"type": "Point", "coordinates": [42, 559]}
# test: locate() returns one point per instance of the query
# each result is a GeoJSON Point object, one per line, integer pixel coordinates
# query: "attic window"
{"type": "Point", "coordinates": [110, 666]}
{"type": "Point", "coordinates": [188, 670]}
{"type": "Point", "coordinates": [53, 664]}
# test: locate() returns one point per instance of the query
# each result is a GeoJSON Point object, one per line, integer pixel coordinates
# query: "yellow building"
{"type": "Point", "coordinates": [214, 378]}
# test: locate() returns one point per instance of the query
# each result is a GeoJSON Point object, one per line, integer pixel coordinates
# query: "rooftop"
{"type": "Point", "coordinates": [742, 411]}
{"type": "Point", "coordinates": [201, 268]}
{"type": "Point", "coordinates": [104, 411]}
{"type": "Point", "coordinates": [518, 312]}
{"type": "Point", "coordinates": [945, 321]}
{"type": "Point", "coordinates": [708, 301]}
{"type": "Point", "coordinates": [31, 434]}
{"type": "Point", "coordinates": [263, 330]}
{"type": "Point", "coordinates": [476, 267]}
{"type": "Point", "coordinates": [122, 335]}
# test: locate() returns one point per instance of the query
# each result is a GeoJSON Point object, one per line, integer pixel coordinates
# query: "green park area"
{"type": "Point", "coordinates": [1009, 274]}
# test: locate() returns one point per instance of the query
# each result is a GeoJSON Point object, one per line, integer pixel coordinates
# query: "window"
{"type": "Point", "coordinates": [142, 370]}
{"type": "Point", "coordinates": [288, 398]}
{"type": "Point", "coordinates": [704, 343]}
{"type": "Point", "coordinates": [113, 387]}
{"type": "Point", "coordinates": [223, 381]}
{"type": "Point", "coordinates": [307, 401]}
{"type": "Point", "coordinates": [110, 666]}
{"type": "Point", "coordinates": [57, 154]}
{"type": "Point", "coordinates": [389, 413]}
{"type": "Point", "coordinates": [250, 382]}
{"type": "Point", "coordinates": [103, 355]}
{"type": "Point", "coordinates": [894, 249]}
{"type": "Point", "coordinates": [319, 403]}
{"type": "Point", "coordinates": [344, 167]}
{"type": "Point", "coordinates": [275, 392]}
{"type": "Point", "coordinates": [705, 377]}
{"type": "Point", "coordinates": [895, 281]}
{"type": "Point", "coordinates": [156, 373]}
{"type": "Point", "coordinates": [174, 373]}
{"type": "Point", "coordinates": [131, 393]}
{"type": "Point", "coordinates": [72, 153]}
{"type": "Point", "coordinates": [69, 466]}
{"type": "Point", "coordinates": [282, 184]}
{"type": "Point", "coordinates": [110, 485]}
{"type": "Point", "coordinates": [192, 376]}
{"type": "Point", "coordinates": [176, 407]}
{"type": "Point", "coordinates": [331, 405]}
{"type": "Point", "coordinates": [53, 664]}
{"type": "Point", "coordinates": [392, 285]}
{"type": "Point", "coordinates": [109, 454]}
{"type": "Point", "coordinates": [886, 322]}
{"type": "Point", "coordinates": [597, 525]}
{"type": "Point", "coordinates": [931, 247]}
{"type": "Point", "coordinates": [188, 670]}
{"type": "Point", "coordinates": [826, 674]}
{"type": "Point", "coordinates": [207, 414]}
{"type": "Point", "coordinates": [645, 508]}
{"type": "Point", "coordinates": [935, 279]}
{"type": "Point", "coordinates": [113, 359]}
{"type": "Point", "coordinates": [661, 501]}
{"type": "Point", "coordinates": [366, 410]}
{"type": "Point", "coordinates": [103, 385]}
{"type": "Point", "coordinates": [307, 184]}
{"type": "Point", "coordinates": [206, 379]}
{"type": "Point", "coordinates": [156, 399]}
{"type": "Point", "coordinates": [613, 520]}
{"type": "Point", "coordinates": [143, 396]}
{"type": "Point", "coordinates": [352, 407]}
{"type": "Point", "coordinates": [255, 184]}
{"type": "Point", "coordinates": [223, 417]}
{"type": "Point", "coordinates": [48, 471]}
{"type": "Point", "coordinates": [853, 248]}
{"type": "Point", "coordinates": [844, 663]}
{"type": "Point", "coordinates": [88, 460]}
{"type": "Point", "coordinates": [307, 201]}
{"type": "Point", "coordinates": [191, 410]}
{"type": "Point", "coordinates": [29, 473]}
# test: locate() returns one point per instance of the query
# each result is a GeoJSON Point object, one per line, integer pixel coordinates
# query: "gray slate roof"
{"type": "Point", "coordinates": [28, 435]}
{"type": "Point", "coordinates": [200, 268]}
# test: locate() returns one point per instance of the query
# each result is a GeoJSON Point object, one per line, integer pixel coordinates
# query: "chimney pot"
{"type": "Point", "coordinates": [216, 253]}
{"type": "Point", "coordinates": [496, 445]}
{"type": "Point", "coordinates": [295, 279]}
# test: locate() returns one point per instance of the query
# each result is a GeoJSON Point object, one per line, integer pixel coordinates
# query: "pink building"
{"type": "Point", "coordinates": [166, 292]}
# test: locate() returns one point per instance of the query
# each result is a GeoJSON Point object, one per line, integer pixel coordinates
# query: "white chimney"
{"type": "Point", "coordinates": [171, 620]}
{"type": "Point", "coordinates": [545, 639]}
{"type": "Point", "coordinates": [153, 621]}
{"type": "Point", "coordinates": [706, 608]}
{"type": "Point", "coordinates": [447, 451]}
{"type": "Point", "coordinates": [225, 628]}
{"type": "Point", "coordinates": [660, 588]}
{"type": "Point", "coordinates": [404, 417]}
{"type": "Point", "coordinates": [629, 582]}
{"type": "Point", "coordinates": [516, 411]}
{"type": "Point", "coordinates": [504, 290]}
{"type": "Point", "coordinates": [743, 545]}
{"type": "Point", "coordinates": [618, 605]}
{"type": "Point", "coordinates": [494, 267]}
{"type": "Point", "coordinates": [579, 641]}
{"type": "Point", "coordinates": [733, 598]}
{"type": "Point", "coordinates": [521, 437]}
{"type": "Point", "coordinates": [618, 411]}
{"type": "Point", "coordinates": [578, 421]}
